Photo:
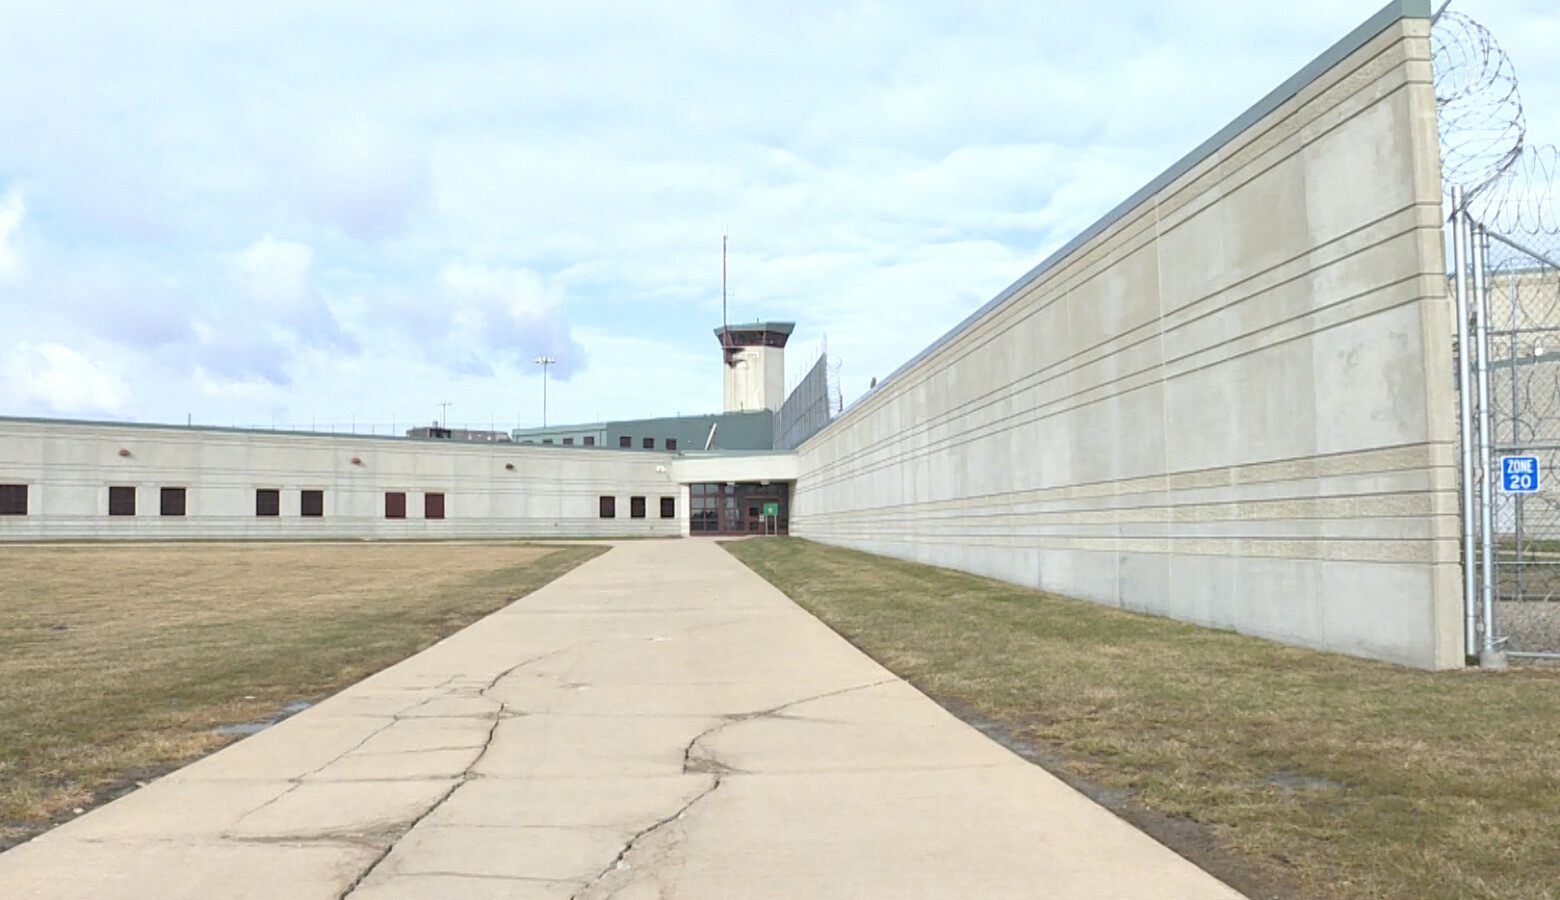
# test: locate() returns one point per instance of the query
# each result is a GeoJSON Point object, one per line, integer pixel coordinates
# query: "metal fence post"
{"type": "Point", "coordinates": [1465, 413]}
{"type": "Point", "coordinates": [1489, 656]}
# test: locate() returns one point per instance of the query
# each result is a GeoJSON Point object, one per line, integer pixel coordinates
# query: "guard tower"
{"type": "Point", "coordinates": [755, 364]}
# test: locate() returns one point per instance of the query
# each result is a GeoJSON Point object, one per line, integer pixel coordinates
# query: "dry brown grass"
{"type": "Point", "coordinates": [1327, 776]}
{"type": "Point", "coordinates": [119, 660]}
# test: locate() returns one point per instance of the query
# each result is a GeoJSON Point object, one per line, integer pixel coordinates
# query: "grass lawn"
{"type": "Point", "coordinates": [1304, 774]}
{"type": "Point", "coordinates": [118, 661]}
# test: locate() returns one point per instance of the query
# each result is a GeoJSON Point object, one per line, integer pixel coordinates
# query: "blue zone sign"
{"type": "Point", "coordinates": [1519, 474]}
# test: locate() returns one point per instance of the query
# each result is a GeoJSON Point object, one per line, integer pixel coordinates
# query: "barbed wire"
{"type": "Point", "coordinates": [1483, 131]}
{"type": "Point", "coordinates": [1522, 199]}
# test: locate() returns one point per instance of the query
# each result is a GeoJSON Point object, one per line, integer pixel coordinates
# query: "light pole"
{"type": "Point", "coordinates": [544, 362]}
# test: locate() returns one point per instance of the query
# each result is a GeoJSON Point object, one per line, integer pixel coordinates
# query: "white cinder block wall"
{"type": "Point", "coordinates": [490, 490]}
{"type": "Point", "coordinates": [1230, 402]}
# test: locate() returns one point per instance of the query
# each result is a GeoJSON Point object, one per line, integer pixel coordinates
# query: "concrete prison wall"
{"type": "Point", "coordinates": [1229, 402]}
{"type": "Point", "coordinates": [487, 490]}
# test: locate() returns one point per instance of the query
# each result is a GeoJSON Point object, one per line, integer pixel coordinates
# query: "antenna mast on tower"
{"type": "Point", "coordinates": [728, 348]}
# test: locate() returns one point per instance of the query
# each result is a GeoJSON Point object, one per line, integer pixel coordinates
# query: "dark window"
{"type": "Point", "coordinates": [268, 502]}
{"type": "Point", "coordinates": [649, 443]}
{"type": "Point", "coordinates": [568, 442]}
{"type": "Point", "coordinates": [547, 440]}
{"type": "Point", "coordinates": [590, 440]}
{"type": "Point", "coordinates": [13, 499]}
{"type": "Point", "coordinates": [625, 441]}
{"type": "Point", "coordinates": [671, 443]}
{"type": "Point", "coordinates": [312, 503]}
{"type": "Point", "coordinates": [609, 507]}
{"type": "Point", "coordinates": [395, 504]}
{"type": "Point", "coordinates": [668, 507]}
{"type": "Point", "coordinates": [121, 501]}
{"type": "Point", "coordinates": [433, 506]}
{"type": "Point", "coordinates": [636, 507]}
{"type": "Point", "coordinates": [172, 501]}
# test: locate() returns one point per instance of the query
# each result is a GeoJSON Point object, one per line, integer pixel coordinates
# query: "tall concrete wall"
{"type": "Point", "coordinates": [490, 490]}
{"type": "Point", "coordinates": [1229, 402]}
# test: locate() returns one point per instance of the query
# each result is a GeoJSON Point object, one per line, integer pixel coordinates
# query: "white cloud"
{"type": "Point", "coordinates": [54, 379]}
{"type": "Point", "coordinates": [278, 276]}
{"type": "Point", "coordinates": [366, 178]}
{"type": "Point", "coordinates": [510, 315]}
{"type": "Point", "coordinates": [12, 209]}
{"type": "Point", "coordinates": [275, 272]}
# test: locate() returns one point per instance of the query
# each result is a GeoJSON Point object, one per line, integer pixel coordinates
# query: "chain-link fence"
{"type": "Point", "coordinates": [1521, 287]}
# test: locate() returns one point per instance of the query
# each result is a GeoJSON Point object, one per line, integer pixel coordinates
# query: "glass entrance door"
{"type": "Point", "coordinates": [731, 509]}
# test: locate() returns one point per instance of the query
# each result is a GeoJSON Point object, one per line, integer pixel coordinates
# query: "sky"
{"type": "Point", "coordinates": [341, 215]}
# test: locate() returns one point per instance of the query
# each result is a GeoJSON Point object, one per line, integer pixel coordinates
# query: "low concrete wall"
{"type": "Point", "coordinates": [1229, 402]}
{"type": "Point", "coordinates": [490, 490]}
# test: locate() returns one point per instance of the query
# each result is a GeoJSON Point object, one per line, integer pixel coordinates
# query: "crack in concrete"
{"type": "Point", "coordinates": [691, 764]}
{"type": "Point", "coordinates": [635, 840]}
{"type": "Point", "coordinates": [295, 782]}
{"type": "Point", "coordinates": [701, 765]}
{"type": "Point", "coordinates": [503, 712]}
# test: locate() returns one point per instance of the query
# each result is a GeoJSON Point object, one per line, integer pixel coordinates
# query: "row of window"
{"type": "Point", "coordinates": [268, 502]}
{"type": "Point", "coordinates": [623, 441]}
{"type": "Point", "coordinates": [636, 507]}
{"type": "Point", "coordinates": [395, 505]}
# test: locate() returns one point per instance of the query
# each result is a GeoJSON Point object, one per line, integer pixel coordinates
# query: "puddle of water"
{"type": "Point", "coordinates": [247, 728]}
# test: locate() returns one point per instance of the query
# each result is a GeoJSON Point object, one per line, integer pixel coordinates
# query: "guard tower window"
{"type": "Point", "coordinates": [671, 443]}
{"type": "Point", "coordinates": [636, 507]}
{"type": "Point", "coordinates": [13, 499]}
{"type": "Point", "coordinates": [311, 504]}
{"type": "Point", "coordinates": [649, 443]}
{"type": "Point", "coordinates": [121, 501]}
{"type": "Point", "coordinates": [625, 441]}
{"type": "Point", "coordinates": [395, 504]}
{"type": "Point", "coordinates": [268, 502]}
{"type": "Point", "coordinates": [668, 507]}
{"type": "Point", "coordinates": [608, 507]}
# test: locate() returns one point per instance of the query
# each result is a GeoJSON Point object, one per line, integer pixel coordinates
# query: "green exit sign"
{"type": "Point", "coordinates": [771, 509]}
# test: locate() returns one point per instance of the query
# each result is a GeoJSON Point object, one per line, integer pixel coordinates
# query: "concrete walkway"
{"type": "Point", "coordinates": [658, 723]}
